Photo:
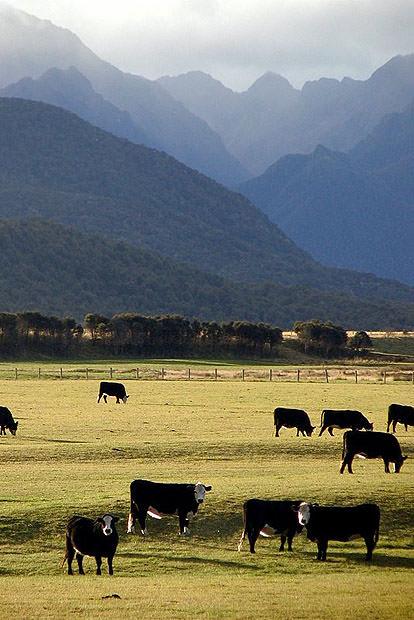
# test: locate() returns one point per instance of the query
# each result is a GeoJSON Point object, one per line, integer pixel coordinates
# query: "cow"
{"type": "Point", "coordinates": [293, 418]}
{"type": "Point", "coordinates": [373, 445]}
{"type": "Point", "coordinates": [404, 414]}
{"type": "Point", "coordinates": [97, 538]}
{"type": "Point", "coordinates": [325, 523]}
{"type": "Point", "coordinates": [268, 517]}
{"type": "Point", "coordinates": [164, 498]}
{"type": "Point", "coordinates": [7, 421]}
{"type": "Point", "coordinates": [343, 418]}
{"type": "Point", "coordinates": [109, 388]}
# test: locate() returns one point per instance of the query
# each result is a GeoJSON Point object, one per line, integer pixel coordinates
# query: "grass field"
{"type": "Point", "coordinates": [72, 455]}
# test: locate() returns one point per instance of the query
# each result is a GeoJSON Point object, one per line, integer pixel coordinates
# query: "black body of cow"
{"type": "Point", "coordinates": [403, 414]}
{"type": "Point", "coordinates": [86, 537]}
{"type": "Point", "coordinates": [293, 418]}
{"type": "Point", "coordinates": [373, 445]}
{"type": "Point", "coordinates": [343, 524]}
{"type": "Point", "coordinates": [7, 421]}
{"type": "Point", "coordinates": [343, 418]}
{"type": "Point", "coordinates": [108, 388]}
{"type": "Point", "coordinates": [167, 498]}
{"type": "Point", "coordinates": [279, 515]}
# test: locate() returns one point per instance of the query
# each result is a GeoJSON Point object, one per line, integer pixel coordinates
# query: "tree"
{"type": "Point", "coordinates": [360, 341]}
{"type": "Point", "coordinates": [321, 338]}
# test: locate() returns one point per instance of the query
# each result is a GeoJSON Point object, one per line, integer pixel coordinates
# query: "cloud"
{"type": "Point", "coordinates": [237, 41]}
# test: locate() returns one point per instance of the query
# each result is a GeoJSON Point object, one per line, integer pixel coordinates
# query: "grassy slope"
{"type": "Point", "coordinates": [72, 455]}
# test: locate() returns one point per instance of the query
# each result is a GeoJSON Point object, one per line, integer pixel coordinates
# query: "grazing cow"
{"type": "Point", "coordinates": [373, 445]}
{"type": "Point", "coordinates": [109, 388]}
{"type": "Point", "coordinates": [268, 517]}
{"type": "Point", "coordinates": [404, 414]}
{"type": "Point", "coordinates": [293, 418]}
{"type": "Point", "coordinates": [98, 539]}
{"type": "Point", "coordinates": [159, 498]}
{"type": "Point", "coordinates": [7, 421]}
{"type": "Point", "coordinates": [325, 523]}
{"type": "Point", "coordinates": [343, 418]}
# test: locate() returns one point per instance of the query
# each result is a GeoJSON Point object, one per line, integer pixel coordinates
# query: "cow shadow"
{"type": "Point", "coordinates": [386, 561]}
{"type": "Point", "coordinates": [189, 560]}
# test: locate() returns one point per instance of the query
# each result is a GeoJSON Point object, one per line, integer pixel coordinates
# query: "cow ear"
{"type": "Point", "coordinates": [115, 519]}
{"type": "Point", "coordinates": [17, 423]}
{"type": "Point", "coordinates": [99, 520]}
{"type": "Point", "coordinates": [208, 488]}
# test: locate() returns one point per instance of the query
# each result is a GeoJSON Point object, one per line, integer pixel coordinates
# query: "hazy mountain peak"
{"type": "Point", "coordinates": [270, 84]}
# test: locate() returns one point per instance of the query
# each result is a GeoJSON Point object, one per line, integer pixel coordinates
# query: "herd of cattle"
{"type": "Point", "coordinates": [99, 538]}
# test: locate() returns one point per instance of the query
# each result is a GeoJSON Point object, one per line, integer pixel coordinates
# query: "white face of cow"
{"type": "Point", "coordinates": [107, 524]}
{"type": "Point", "coordinates": [125, 398]}
{"type": "Point", "coordinates": [304, 513]}
{"type": "Point", "coordinates": [200, 490]}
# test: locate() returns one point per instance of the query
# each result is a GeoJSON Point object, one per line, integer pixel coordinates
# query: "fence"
{"type": "Point", "coordinates": [297, 375]}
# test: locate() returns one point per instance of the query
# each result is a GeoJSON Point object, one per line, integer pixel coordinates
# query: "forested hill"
{"type": "Point", "coordinates": [54, 165]}
{"type": "Point", "coordinates": [56, 270]}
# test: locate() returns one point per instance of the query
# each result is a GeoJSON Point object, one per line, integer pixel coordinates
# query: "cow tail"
{"type": "Point", "coordinates": [344, 445]}
{"type": "Point", "coordinates": [243, 536]}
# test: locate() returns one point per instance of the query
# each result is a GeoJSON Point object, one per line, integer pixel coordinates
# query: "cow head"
{"type": "Point", "coordinates": [125, 398]}
{"type": "Point", "coordinates": [399, 463]}
{"type": "Point", "coordinates": [13, 427]}
{"type": "Point", "coordinates": [200, 490]}
{"type": "Point", "coordinates": [304, 513]}
{"type": "Point", "coordinates": [310, 430]}
{"type": "Point", "coordinates": [369, 426]}
{"type": "Point", "coordinates": [107, 523]}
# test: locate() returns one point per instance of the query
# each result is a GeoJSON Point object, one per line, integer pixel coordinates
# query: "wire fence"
{"type": "Point", "coordinates": [290, 375]}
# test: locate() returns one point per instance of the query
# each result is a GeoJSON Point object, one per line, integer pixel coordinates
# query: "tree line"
{"type": "Point", "coordinates": [128, 334]}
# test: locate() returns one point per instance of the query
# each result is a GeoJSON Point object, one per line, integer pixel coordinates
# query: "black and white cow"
{"type": "Point", "coordinates": [270, 517]}
{"type": "Point", "coordinates": [109, 388]}
{"type": "Point", "coordinates": [98, 539]}
{"type": "Point", "coordinates": [373, 445]}
{"type": "Point", "coordinates": [403, 414]}
{"type": "Point", "coordinates": [7, 421]}
{"type": "Point", "coordinates": [293, 418]}
{"type": "Point", "coordinates": [164, 498]}
{"type": "Point", "coordinates": [343, 418]}
{"type": "Point", "coordinates": [325, 523]}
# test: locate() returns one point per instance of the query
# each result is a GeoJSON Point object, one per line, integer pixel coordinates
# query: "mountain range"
{"type": "Point", "coordinates": [354, 209]}
{"type": "Point", "coordinates": [29, 47]}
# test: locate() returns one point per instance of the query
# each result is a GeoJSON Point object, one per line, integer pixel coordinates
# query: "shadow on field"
{"type": "Point", "coordinates": [19, 531]}
{"type": "Point", "coordinates": [388, 561]}
{"type": "Point", "coordinates": [190, 560]}
{"type": "Point", "coordinates": [55, 440]}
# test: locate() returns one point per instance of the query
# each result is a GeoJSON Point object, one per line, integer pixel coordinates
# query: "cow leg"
{"type": "Point", "coordinates": [394, 426]}
{"type": "Point", "coordinates": [183, 523]}
{"type": "Point", "coordinates": [105, 398]}
{"type": "Point", "coordinates": [99, 396]}
{"type": "Point", "coordinates": [70, 554]}
{"type": "Point", "coordinates": [347, 461]}
{"type": "Point", "coordinates": [322, 548]}
{"type": "Point", "coordinates": [253, 535]}
{"type": "Point", "coordinates": [369, 541]}
{"type": "Point", "coordinates": [2, 430]}
{"type": "Point", "coordinates": [290, 537]}
{"type": "Point", "coordinates": [330, 431]}
{"type": "Point", "coordinates": [79, 559]}
{"type": "Point", "coordinates": [282, 542]}
{"type": "Point", "coordinates": [387, 466]}
{"type": "Point", "coordinates": [142, 515]}
{"type": "Point", "coordinates": [323, 429]}
{"type": "Point", "coordinates": [388, 426]}
{"type": "Point", "coordinates": [117, 400]}
{"type": "Point", "coordinates": [406, 427]}
{"type": "Point", "coordinates": [110, 567]}
{"type": "Point", "coordinates": [98, 564]}
{"type": "Point", "coordinates": [278, 427]}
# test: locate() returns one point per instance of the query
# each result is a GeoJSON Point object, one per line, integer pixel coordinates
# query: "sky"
{"type": "Point", "coordinates": [236, 41]}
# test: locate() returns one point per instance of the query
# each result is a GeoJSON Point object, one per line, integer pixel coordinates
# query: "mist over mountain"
{"type": "Point", "coordinates": [30, 46]}
{"type": "Point", "coordinates": [352, 210]}
{"type": "Point", "coordinates": [272, 118]}
{"type": "Point", "coordinates": [56, 166]}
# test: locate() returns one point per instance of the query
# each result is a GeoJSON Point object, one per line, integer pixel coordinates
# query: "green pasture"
{"type": "Point", "coordinates": [73, 456]}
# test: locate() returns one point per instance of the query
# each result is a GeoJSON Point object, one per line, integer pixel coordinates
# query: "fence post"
{"type": "Point", "coordinates": [242, 374]}
{"type": "Point", "coordinates": [298, 377]}
{"type": "Point", "coordinates": [38, 374]}
{"type": "Point", "coordinates": [326, 375]}
{"type": "Point", "coordinates": [162, 373]}
{"type": "Point", "coordinates": [215, 374]}
{"type": "Point", "coordinates": [189, 374]}
{"type": "Point", "coordinates": [412, 378]}
{"type": "Point", "coordinates": [356, 376]}
{"type": "Point", "coordinates": [270, 374]}
{"type": "Point", "coordinates": [61, 373]}
{"type": "Point", "coordinates": [15, 373]}
{"type": "Point", "coordinates": [110, 373]}
{"type": "Point", "coordinates": [87, 373]}
{"type": "Point", "coordinates": [385, 376]}
{"type": "Point", "coordinates": [136, 373]}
